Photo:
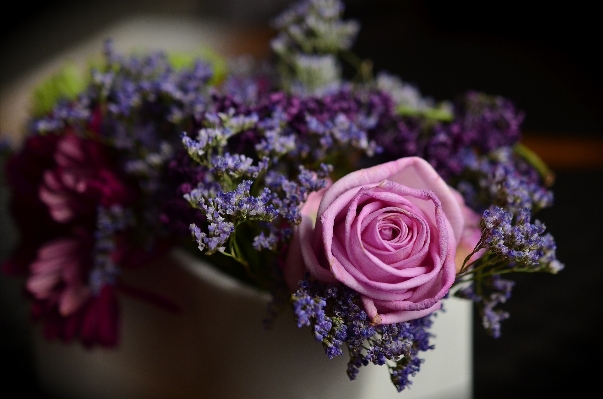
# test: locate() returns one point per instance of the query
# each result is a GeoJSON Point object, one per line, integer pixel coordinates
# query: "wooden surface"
{"type": "Point", "coordinates": [568, 151]}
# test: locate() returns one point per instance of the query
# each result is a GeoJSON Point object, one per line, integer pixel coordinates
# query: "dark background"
{"type": "Point", "coordinates": [541, 57]}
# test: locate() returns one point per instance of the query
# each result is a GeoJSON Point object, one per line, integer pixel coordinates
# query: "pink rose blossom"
{"type": "Point", "coordinates": [390, 233]}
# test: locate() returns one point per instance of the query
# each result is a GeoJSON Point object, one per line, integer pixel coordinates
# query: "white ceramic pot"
{"type": "Point", "coordinates": [217, 348]}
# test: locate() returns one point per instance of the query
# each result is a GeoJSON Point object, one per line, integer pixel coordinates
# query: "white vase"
{"type": "Point", "coordinates": [217, 348]}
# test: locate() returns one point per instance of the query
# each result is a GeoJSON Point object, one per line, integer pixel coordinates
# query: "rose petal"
{"type": "Point", "coordinates": [412, 172]}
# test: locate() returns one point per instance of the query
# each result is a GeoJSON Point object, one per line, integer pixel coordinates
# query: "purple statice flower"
{"type": "Point", "coordinates": [401, 373]}
{"type": "Point", "coordinates": [510, 188]}
{"type": "Point", "coordinates": [219, 128]}
{"type": "Point", "coordinates": [149, 169]}
{"type": "Point", "coordinates": [288, 203]}
{"type": "Point", "coordinates": [396, 136]}
{"type": "Point", "coordinates": [263, 241]}
{"type": "Point", "coordinates": [184, 175]}
{"type": "Point", "coordinates": [336, 316]}
{"type": "Point", "coordinates": [513, 237]}
{"type": "Point", "coordinates": [491, 316]}
{"type": "Point", "coordinates": [237, 166]}
{"type": "Point", "coordinates": [311, 34]}
{"type": "Point", "coordinates": [109, 222]}
{"type": "Point", "coordinates": [490, 122]}
{"type": "Point", "coordinates": [488, 294]}
{"type": "Point", "coordinates": [503, 179]}
{"type": "Point", "coordinates": [305, 306]}
{"type": "Point", "coordinates": [482, 122]}
{"type": "Point", "coordinates": [311, 128]}
{"type": "Point", "coordinates": [342, 131]}
{"type": "Point", "coordinates": [443, 134]}
{"type": "Point", "coordinates": [225, 211]}
{"type": "Point", "coordinates": [276, 235]}
{"type": "Point", "coordinates": [292, 194]}
{"type": "Point", "coordinates": [314, 26]}
{"type": "Point", "coordinates": [309, 310]}
{"type": "Point", "coordinates": [549, 260]}
{"type": "Point", "coordinates": [274, 144]}
{"type": "Point", "coordinates": [144, 91]}
{"type": "Point", "coordinates": [191, 84]}
{"type": "Point", "coordinates": [65, 113]}
{"type": "Point", "coordinates": [248, 80]}
{"type": "Point", "coordinates": [443, 149]}
{"type": "Point", "coordinates": [138, 105]}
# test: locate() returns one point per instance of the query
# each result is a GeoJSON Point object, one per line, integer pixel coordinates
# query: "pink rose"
{"type": "Point", "coordinates": [390, 233]}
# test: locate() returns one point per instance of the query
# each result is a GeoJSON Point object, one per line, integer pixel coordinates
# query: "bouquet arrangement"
{"type": "Point", "coordinates": [354, 200]}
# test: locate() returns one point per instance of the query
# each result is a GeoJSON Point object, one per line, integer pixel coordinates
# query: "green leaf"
{"type": "Point", "coordinates": [181, 60]}
{"type": "Point", "coordinates": [533, 159]}
{"type": "Point", "coordinates": [66, 84]}
{"type": "Point", "coordinates": [437, 114]}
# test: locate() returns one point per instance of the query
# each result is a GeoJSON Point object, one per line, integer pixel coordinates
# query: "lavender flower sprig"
{"type": "Point", "coordinates": [255, 190]}
{"type": "Point", "coordinates": [337, 318]}
{"type": "Point", "coordinates": [512, 243]}
{"type": "Point", "coordinates": [511, 240]}
{"type": "Point", "coordinates": [311, 35]}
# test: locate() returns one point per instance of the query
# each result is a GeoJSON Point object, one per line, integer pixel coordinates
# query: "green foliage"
{"type": "Point", "coordinates": [66, 84]}
{"type": "Point", "coordinates": [180, 60]}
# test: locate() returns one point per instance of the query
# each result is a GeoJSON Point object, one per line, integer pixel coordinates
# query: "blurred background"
{"type": "Point", "coordinates": [542, 58]}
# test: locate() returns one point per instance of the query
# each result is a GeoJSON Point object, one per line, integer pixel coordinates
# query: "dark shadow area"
{"type": "Point", "coordinates": [542, 59]}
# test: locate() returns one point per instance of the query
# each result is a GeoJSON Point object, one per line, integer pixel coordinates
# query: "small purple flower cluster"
{"type": "Point", "coordinates": [511, 241]}
{"type": "Point", "coordinates": [502, 178]}
{"type": "Point", "coordinates": [311, 34]}
{"type": "Point", "coordinates": [493, 291]}
{"type": "Point", "coordinates": [309, 126]}
{"type": "Point", "coordinates": [336, 316]}
{"type": "Point", "coordinates": [108, 222]}
{"type": "Point", "coordinates": [516, 240]}
{"type": "Point", "coordinates": [170, 152]}
{"type": "Point", "coordinates": [102, 182]}
{"type": "Point", "coordinates": [444, 133]}
{"type": "Point", "coordinates": [280, 143]}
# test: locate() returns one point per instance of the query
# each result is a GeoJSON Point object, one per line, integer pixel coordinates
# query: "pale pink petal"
{"type": "Point", "coordinates": [41, 285]}
{"type": "Point", "coordinates": [294, 268]}
{"type": "Point", "coordinates": [399, 316]}
{"type": "Point", "coordinates": [417, 173]}
{"type": "Point", "coordinates": [70, 152]}
{"type": "Point", "coordinates": [306, 230]}
{"type": "Point", "coordinates": [471, 234]}
{"type": "Point", "coordinates": [51, 180]}
{"type": "Point", "coordinates": [72, 298]}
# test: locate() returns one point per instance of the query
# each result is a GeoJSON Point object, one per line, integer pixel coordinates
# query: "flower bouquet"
{"type": "Point", "coordinates": [344, 195]}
